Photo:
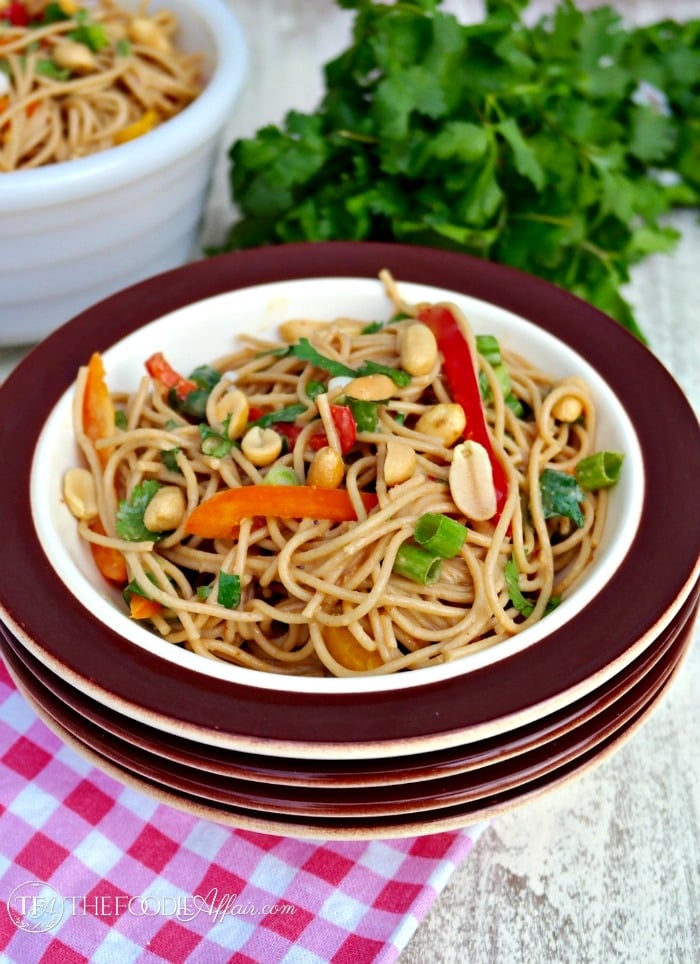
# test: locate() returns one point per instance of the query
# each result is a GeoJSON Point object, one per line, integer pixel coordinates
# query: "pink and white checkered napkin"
{"type": "Point", "coordinates": [92, 871]}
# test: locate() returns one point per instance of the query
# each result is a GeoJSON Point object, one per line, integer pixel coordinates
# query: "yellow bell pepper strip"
{"type": "Point", "coordinates": [346, 650]}
{"type": "Point", "coordinates": [217, 517]}
{"type": "Point", "coordinates": [146, 122]}
{"type": "Point", "coordinates": [462, 381]}
{"type": "Point", "coordinates": [109, 561]}
{"type": "Point", "coordinates": [98, 407]}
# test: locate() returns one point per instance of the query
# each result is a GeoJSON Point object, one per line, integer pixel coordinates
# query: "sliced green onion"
{"type": "Point", "coordinates": [440, 534]}
{"type": "Point", "coordinates": [599, 470]}
{"type": "Point", "coordinates": [281, 475]}
{"type": "Point", "coordinates": [418, 564]}
{"type": "Point", "coordinates": [364, 413]}
{"type": "Point", "coordinates": [489, 349]}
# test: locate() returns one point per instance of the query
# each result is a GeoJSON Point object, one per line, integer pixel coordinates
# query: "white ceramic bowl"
{"type": "Point", "coordinates": [74, 232]}
{"type": "Point", "coordinates": [207, 329]}
{"type": "Point", "coordinates": [643, 578]}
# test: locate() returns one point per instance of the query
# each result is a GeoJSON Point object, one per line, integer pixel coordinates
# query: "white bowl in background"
{"type": "Point", "coordinates": [75, 232]}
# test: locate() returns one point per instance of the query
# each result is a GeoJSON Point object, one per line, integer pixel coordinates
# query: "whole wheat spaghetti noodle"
{"type": "Point", "coordinates": [76, 80]}
{"type": "Point", "coordinates": [326, 503]}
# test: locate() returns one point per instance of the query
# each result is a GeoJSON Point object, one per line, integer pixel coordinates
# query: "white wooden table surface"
{"type": "Point", "coordinates": [605, 869]}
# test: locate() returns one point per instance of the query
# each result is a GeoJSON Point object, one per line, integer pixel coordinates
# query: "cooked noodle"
{"type": "Point", "coordinates": [301, 579]}
{"type": "Point", "coordinates": [67, 98]}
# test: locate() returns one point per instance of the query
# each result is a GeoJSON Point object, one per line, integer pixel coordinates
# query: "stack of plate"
{"type": "Point", "coordinates": [424, 751]}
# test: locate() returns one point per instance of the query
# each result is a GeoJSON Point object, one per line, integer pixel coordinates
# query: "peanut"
{"type": "Point", "coordinates": [471, 481]}
{"type": "Point", "coordinates": [80, 493]}
{"type": "Point", "coordinates": [166, 509]}
{"type": "Point", "coordinates": [261, 446]}
{"type": "Point", "coordinates": [568, 408]}
{"type": "Point", "coordinates": [419, 350]}
{"type": "Point", "coordinates": [234, 406]}
{"type": "Point", "coordinates": [399, 463]}
{"type": "Point", "coordinates": [445, 421]}
{"type": "Point", "coordinates": [371, 388]}
{"type": "Point", "coordinates": [326, 470]}
{"type": "Point", "coordinates": [144, 31]}
{"type": "Point", "coordinates": [297, 328]}
{"type": "Point", "coordinates": [75, 57]}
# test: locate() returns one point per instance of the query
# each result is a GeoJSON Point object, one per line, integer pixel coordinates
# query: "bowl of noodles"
{"type": "Point", "coordinates": [339, 498]}
{"type": "Point", "coordinates": [110, 117]}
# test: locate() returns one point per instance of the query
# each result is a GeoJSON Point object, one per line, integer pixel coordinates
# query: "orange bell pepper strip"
{"type": "Point", "coordinates": [98, 407]}
{"type": "Point", "coordinates": [218, 516]}
{"type": "Point", "coordinates": [142, 608]}
{"type": "Point", "coordinates": [109, 561]}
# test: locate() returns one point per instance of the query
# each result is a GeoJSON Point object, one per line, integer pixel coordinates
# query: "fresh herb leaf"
{"type": "Point", "coordinates": [536, 144]}
{"type": "Point", "coordinates": [512, 574]}
{"type": "Point", "coordinates": [315, 388]}
{"type": "Point", "coordinates": [229, 591]}
{"type": "Point", "coordinates": [399, 376]}
{"type": "Point", "coordinates": [195, 404]}
{"type": "Point", "coordinates": [214, 443]}
{"type": "Point", "coordinates": [289, 413]}
{"type": "Point", "coordinates": [169, 457]}
{"type": "Point", "coordinates": [130, 524]}
{"type": "Point", "coordinates": [521, 603]}
{"type": "Point", "coordinates": [561, 496]}
{"type": "Point", "coordinates": [304, 350]}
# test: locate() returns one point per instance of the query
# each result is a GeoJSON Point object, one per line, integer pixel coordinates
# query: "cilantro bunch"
{"type": "Point", "coordinates": [556, 148]}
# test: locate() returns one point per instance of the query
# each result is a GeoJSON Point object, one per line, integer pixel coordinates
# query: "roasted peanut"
{"type": "Point", "coordinates": [297, 328]}
{"type": "Point", "coordinates": [471, 481]}
{"type": "Point", "coordinates": [419, 350]}
{"type": "Point", "coordinates": [145, 31]}
{"type": "Point", "coordinates": [80, 493]}
{"type": "Point", "coordinates": [326, 470]}
{"type": "Point", "coordinates": [371, 388]}
{"type": "Point", "coordinates": [445, 421]}
{"type": "Point", "coordinates": [568, 408]}
{"type": "Point", "coordinates": [261, 446]}
{"type": "Point", "coordinates": [75, 57]}
{"type": "Point", "coordinates": [166, 509]}
{"type": "Point", "coordinates": [234, 406]}
{"type": "Point", "coordinates": [400, 462]}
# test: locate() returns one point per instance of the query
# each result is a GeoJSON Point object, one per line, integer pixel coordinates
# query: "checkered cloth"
{"type": "Point", "coordinates": [92, 871]}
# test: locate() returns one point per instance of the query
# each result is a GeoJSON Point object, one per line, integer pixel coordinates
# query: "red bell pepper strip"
{"type": "Point", "coordinates": [345, 426]}
{"type": "Point", "coordinates": [16, 14]}
{"type": "Point", "coordinates": [460, 372]}
{"type": "Point", "coordinates": [159, 368]}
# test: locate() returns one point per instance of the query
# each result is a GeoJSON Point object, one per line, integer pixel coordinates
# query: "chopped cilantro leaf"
{"type": "Point", "coordinates": [535, 143]}
{"type": "Point", "coordinates": [561, 496]}
{"type": "Point", "coordinates": [229, 591]}
{"type": "Point", "coordinates": [130, 524]}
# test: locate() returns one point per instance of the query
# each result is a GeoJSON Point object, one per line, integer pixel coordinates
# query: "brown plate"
{"type": "Point", "coordinates": [589, 649]}
{"type": "Point", "coordinates": [354, 828]}
{"type": "Point", "coordinates": [352, 773]}
{"type": "Point", "coordinates": [399, 798]}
